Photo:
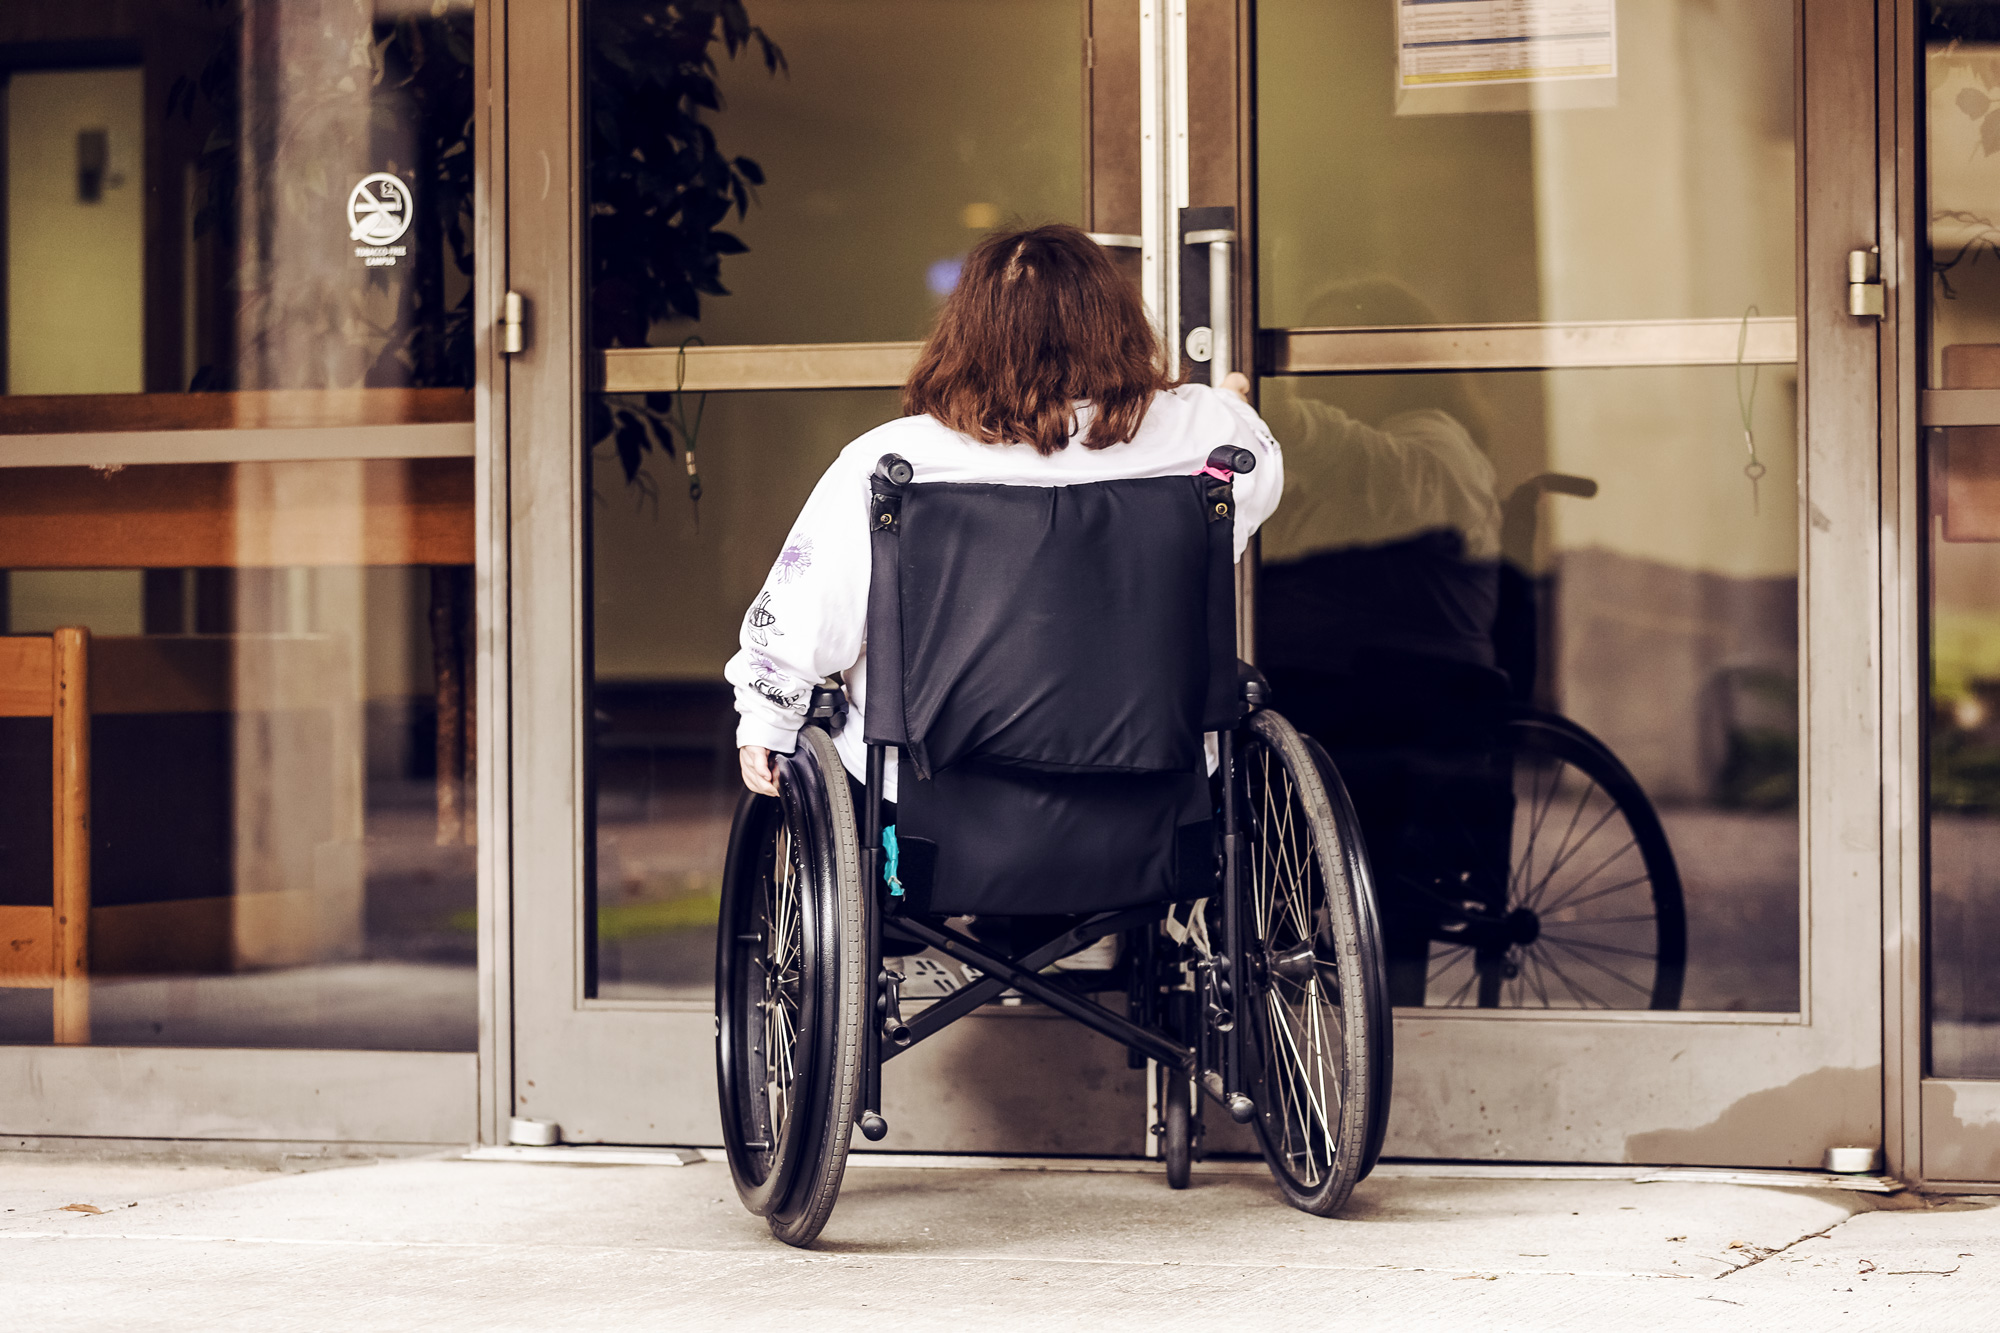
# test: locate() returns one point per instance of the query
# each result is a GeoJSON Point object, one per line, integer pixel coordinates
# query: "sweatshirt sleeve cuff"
{"type": "Point", "coordinates": [755, 731]}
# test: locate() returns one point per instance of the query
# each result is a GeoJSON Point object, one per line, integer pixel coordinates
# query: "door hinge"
{"type": "Point", "coordinates": [513, 324]}
{"type": "Point", "coordinates": [1866, 297]}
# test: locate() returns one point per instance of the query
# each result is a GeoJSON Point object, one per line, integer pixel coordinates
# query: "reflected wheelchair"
{"type": "Point", "coordinates": [1044, 664]}
{"type": "Point", "coordinates": [1520, 863]}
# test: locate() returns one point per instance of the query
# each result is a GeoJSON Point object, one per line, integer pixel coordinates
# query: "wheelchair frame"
{"type": "Point", "coordinates": [1194, 1001]}
{"type": "Point", "coordinates": [1219, 1078]}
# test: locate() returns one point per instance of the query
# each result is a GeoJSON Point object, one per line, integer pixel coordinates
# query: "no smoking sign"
{"type": "Point", "coordinates": [378, 213]}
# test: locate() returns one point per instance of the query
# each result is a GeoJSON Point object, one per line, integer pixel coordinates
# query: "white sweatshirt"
{"type": "Point", "coordinates": [810, 619]}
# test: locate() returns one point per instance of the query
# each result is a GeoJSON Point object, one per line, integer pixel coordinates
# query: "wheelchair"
{"type": "Point", "coordinates": [1053, 780]}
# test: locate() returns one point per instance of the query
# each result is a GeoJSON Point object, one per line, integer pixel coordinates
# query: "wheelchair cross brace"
{"type": "Point", "coordinates": [1026, 977]}
{"type": "Point", "coordinates": [1024, 974]}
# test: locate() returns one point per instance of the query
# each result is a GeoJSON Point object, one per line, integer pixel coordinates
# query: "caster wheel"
{"type": "Point", "coordinates": [1177, 1134]}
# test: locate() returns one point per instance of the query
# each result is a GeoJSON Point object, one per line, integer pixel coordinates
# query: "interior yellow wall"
{"type": "Point", "coordinates": [1666, 446]}
{"type": "Point", "coordinates": [1964, 208]}
{"type": "Point", "coordinates": [1444, 205]}
{"type": "Point", "coordinates": [902, 132]}
{"type": "Point", "coordinates": [1678, 201]}
{"type": "Point", "coordinates": [672, 581]}
{"type": "Point", "coordinates": [1673, 200]}
{"type": "Point", "coordinates": [75, 270]}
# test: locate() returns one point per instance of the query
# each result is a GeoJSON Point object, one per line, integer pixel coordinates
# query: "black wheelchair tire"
{"type": "Point", "coordinates": [794, 1181]}
{"type": "Point", "coordinates": [1316, 1157]}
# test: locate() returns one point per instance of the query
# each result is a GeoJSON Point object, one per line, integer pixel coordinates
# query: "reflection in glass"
{"type": "Point", "coordinates": [1664, 192]}
{"type": "Point", "coordinates": [232, 213]}
{"type": "Point", "coordinates": [1964, 737]}
{"type": "Point", "coordinates": [1548, 628]}
{"type": "Point", "coordinates": [858, 207]}
{"type": "Point", "coordinates": [1962, 185]}
{"type": "Point", "coordinates": [279, 668]}
{"type": "Point", "coordinates": [670, 586]}
{"type": "Point", "coordinates": [1962, 69]}
{"type": "Point", "coordinates": [811, 215]}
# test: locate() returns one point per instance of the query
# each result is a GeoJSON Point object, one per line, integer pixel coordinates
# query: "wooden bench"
{"type": "Point", "coordinates": [48, 948]}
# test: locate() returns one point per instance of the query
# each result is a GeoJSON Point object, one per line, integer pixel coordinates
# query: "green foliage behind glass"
{"type": "Point", "coordinates": [661, 186]}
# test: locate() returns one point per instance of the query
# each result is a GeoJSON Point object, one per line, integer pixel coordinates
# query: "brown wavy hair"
{"type": "Point", "coordinates": [1040, 320]}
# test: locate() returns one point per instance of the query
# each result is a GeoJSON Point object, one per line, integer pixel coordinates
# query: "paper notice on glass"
{"type": "Point", "coordinates": [1471, 42]}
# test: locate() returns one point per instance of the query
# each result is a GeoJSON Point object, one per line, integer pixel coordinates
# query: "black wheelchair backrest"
{"type": "Point", "coordinates": [1079, 629]}
{"type": "Point", "coordinates": [1045, 660]}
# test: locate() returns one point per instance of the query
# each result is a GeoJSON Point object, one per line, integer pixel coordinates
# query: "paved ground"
{"type": "Point", "coordinates": [437, 1244]}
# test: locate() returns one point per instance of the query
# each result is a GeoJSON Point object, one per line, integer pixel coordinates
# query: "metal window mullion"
{"type": "Point", "coordinates": [1163, 167]}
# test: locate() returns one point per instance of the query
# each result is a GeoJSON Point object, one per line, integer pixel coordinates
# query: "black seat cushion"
{"type": "Point", "coordinates": [988, 838]}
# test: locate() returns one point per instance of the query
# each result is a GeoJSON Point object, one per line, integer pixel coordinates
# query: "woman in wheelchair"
{"type": "Point", "coordinates": [1027, 585]}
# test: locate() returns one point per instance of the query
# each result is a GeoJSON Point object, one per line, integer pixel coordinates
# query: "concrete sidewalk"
{"type": "Point", "coordinates": [442, 1243]}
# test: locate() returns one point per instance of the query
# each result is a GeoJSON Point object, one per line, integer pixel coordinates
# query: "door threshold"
{"type": "Point", "coordinates": [588, 1154]}
{"type": "Point", "coordinates": [1792, 1180]}
{"type": "Point", "coordinates": [598, 1154]}
{"type": "Point", "coordinates": [1407, 1170]}
{"type": "Point", "coordinates": [1768, 1177]}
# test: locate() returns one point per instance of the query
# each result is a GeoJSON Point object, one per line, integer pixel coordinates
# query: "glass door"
{"type": "Point", "coordinates": [238, 468]}
{"type": "Point", "coordinates": [1577, 571]}
{"type": "Point", "coordinates": [1959, 551]}
{"type": "Point", "coordinates": [732, 246]}
{"type": "Point", "coordinates": [1576, 565]}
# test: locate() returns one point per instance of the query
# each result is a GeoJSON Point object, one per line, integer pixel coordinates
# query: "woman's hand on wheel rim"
{"type": "Point", "coordinates": [759, 774]}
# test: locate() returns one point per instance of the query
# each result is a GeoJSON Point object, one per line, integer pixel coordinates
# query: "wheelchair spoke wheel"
{"type": "Point", "coordinates": [1590, 914]}
{"type": "Point", "coordinates": [764, 1000]}
{"type": "Point", "coordinates": [1315, 1035]}
{"type": "Point", "coordinates": [789, 992]}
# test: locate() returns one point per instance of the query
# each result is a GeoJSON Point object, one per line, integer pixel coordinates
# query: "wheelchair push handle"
{"type": "Point", "coordinates": [1226, 460]}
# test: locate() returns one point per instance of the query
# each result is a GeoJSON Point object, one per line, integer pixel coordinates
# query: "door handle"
{"type": "Point", "coordinates": [1221, 243]}
{"type": "Point", "coordinates": [1207, 287]}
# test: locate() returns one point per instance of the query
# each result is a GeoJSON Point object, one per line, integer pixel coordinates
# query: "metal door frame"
{"type": "Point", "coordinates": [594, 1065]}
{"type": "Point", "coordinates": [303, 1094]}
{"type": "Point", "coordinates": [1717, 1106]}
{"type": "Point", "coordinates": [1474, 1084]}
{"type": "Point", "coordinates": [1944, 1132]}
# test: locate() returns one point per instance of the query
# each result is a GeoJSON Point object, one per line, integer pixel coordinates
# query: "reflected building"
{"type": "Point", "coordinates": [239, 285]}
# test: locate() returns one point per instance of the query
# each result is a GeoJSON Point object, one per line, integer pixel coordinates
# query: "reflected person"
{"type": "Point", "coordinates": [1378, 602]}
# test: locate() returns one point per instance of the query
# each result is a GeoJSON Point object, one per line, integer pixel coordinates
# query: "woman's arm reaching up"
{"type": "Point", "coordinates": [806, 623]}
